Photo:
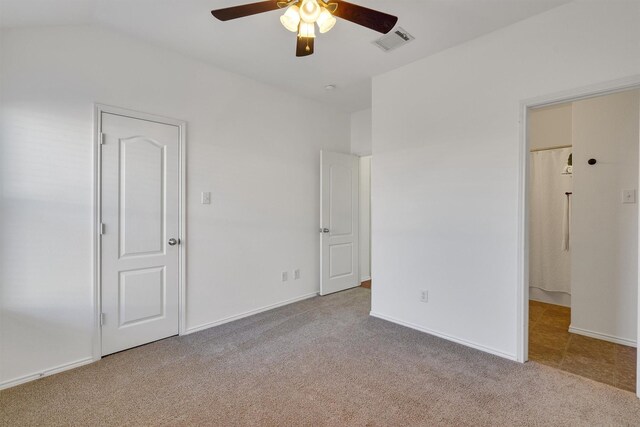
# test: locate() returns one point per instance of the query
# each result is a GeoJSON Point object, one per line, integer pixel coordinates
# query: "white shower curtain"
{"type": "Point", "coordinates": [549, 261]}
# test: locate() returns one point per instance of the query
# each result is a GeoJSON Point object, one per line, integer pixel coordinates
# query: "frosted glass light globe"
{"type": "Point", "coordinates": [291, 19]}
{"type": "Point", "coordinates": [307, 30]}
{"type": "Point", "coordinates": [310, 11]}
{"type": "Point", "coordinates": [325, 21]}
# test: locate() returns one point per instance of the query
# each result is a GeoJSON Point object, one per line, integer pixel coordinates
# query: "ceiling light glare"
{"type": "Point", "coordinates": [307, 30]}
{"type": "Point", "coordinates": [310, 11]}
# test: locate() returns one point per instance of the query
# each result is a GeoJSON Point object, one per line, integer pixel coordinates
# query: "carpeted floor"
{"type": "Point", "coordinates": [322, 361]}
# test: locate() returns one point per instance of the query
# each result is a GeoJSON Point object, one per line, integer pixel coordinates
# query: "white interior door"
{"type": "Point", "coordinates": [339, 259]}
{"type": "Point", "coordinates": [140, 217]}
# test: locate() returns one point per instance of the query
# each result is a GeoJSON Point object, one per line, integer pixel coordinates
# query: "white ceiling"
{"type": "Point", "coordinates": [259, 47]}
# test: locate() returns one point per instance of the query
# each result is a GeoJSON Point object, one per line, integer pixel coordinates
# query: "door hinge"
{"type": "Point", "coordinates": [102, 138]}
{"type": "Point", "coordinates": [102, 228]}
{"type": "Point", "coordinates": [102, 316]}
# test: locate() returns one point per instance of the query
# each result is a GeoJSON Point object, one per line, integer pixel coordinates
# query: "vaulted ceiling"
{"type": "Point", "coordinates": [259, 47]}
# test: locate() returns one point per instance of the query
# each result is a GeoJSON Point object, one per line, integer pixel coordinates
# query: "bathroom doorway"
{"type": "Point", "coordinates": [583, 236]}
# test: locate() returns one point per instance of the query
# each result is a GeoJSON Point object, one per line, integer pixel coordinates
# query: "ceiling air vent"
{"type": "Point", "coordinates": [394, 39]}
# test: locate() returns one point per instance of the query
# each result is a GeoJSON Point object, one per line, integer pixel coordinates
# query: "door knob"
{"type": "Point", "coordinates": [324, 230]}
{"type": "Point", "coordinates": [173, 242]}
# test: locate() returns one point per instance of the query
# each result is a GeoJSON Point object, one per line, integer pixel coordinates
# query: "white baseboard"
{"type": "Point", "coordinates": [445, 336]}
{"type": "Point", "coordinates": [364, 279]}
{"type": "Point", "coordinates": [247, 314]}
{"type": "Point", "coordinates": [546, 301]}
{"type": "Point", "coordinates": [549, 297]}
{"type": "Point", "coordinates": [57, 369]}
{"type": "Point", "coordinates": [601, 336]}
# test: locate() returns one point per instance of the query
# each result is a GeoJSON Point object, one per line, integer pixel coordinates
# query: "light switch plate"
{"type": "Point", "coordinates": [205, 198]}
{"type": "Point", "coordinates": [628, 196]}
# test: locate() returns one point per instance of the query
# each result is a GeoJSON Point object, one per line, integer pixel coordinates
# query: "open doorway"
{"type": "Point", "coordinates": [583, 236]}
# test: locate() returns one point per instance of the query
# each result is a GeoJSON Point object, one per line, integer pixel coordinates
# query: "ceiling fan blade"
{"type": "Point", "coordinates": [304, 46]}
{"type": "Point", "coordinates": [241, 11]}
{"type": "Point", "coordinates": [373, 19]}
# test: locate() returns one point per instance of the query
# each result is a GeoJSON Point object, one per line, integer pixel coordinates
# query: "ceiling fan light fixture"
{"type": "Point", "coordinates": [301, 17]}
{"type": "Point", "coordinates": [325, 21]}
{"type": "Point", "coordinates": [310, 11]}
{"type": "Point", "coordinates": [307, 30]}
{"type": "Point", "coordinates": [291, 19]}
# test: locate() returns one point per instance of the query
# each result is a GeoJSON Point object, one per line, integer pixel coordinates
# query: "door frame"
{"type": "Point", "coordinates": [522, 295]}
{"type": "Point", "coordinates": [97, 209]}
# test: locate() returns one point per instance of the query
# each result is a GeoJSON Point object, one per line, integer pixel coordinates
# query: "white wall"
{"type": "Point", "coordinates": [361, 132]}
{"type": "Point", "coordinates": [549, 127]}
{"type": "Point", "coordinates": [446, 155]}
{"type": "Point", "coordinates": [262, 173]}
{"type": "Point", "coordinates": [604, 258]}
{"type": "Point", "coordinates": [365, 218]}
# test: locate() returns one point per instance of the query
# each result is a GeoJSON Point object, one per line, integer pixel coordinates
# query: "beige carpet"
{"type": "Point", "coordinates": [319, 362]}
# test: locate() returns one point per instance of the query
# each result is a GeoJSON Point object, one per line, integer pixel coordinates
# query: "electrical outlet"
{"type": "Point", "coordinates": [424, 296]}
{"type": "Point", "coordinates": [628, 196]}
{"type": "Point", "coordinates": [285, 276]}
{"type": "Point", "coordinates": [296, 274]}
{"type": "Point", "coordinates": [205, 198]}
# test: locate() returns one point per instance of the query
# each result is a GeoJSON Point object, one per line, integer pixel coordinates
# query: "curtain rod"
{"type": "Point", "coordinates": [557, 147]}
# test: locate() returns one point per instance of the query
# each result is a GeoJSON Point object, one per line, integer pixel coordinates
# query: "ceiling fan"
{"type": "Point", "coordinates": [302, 16]}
